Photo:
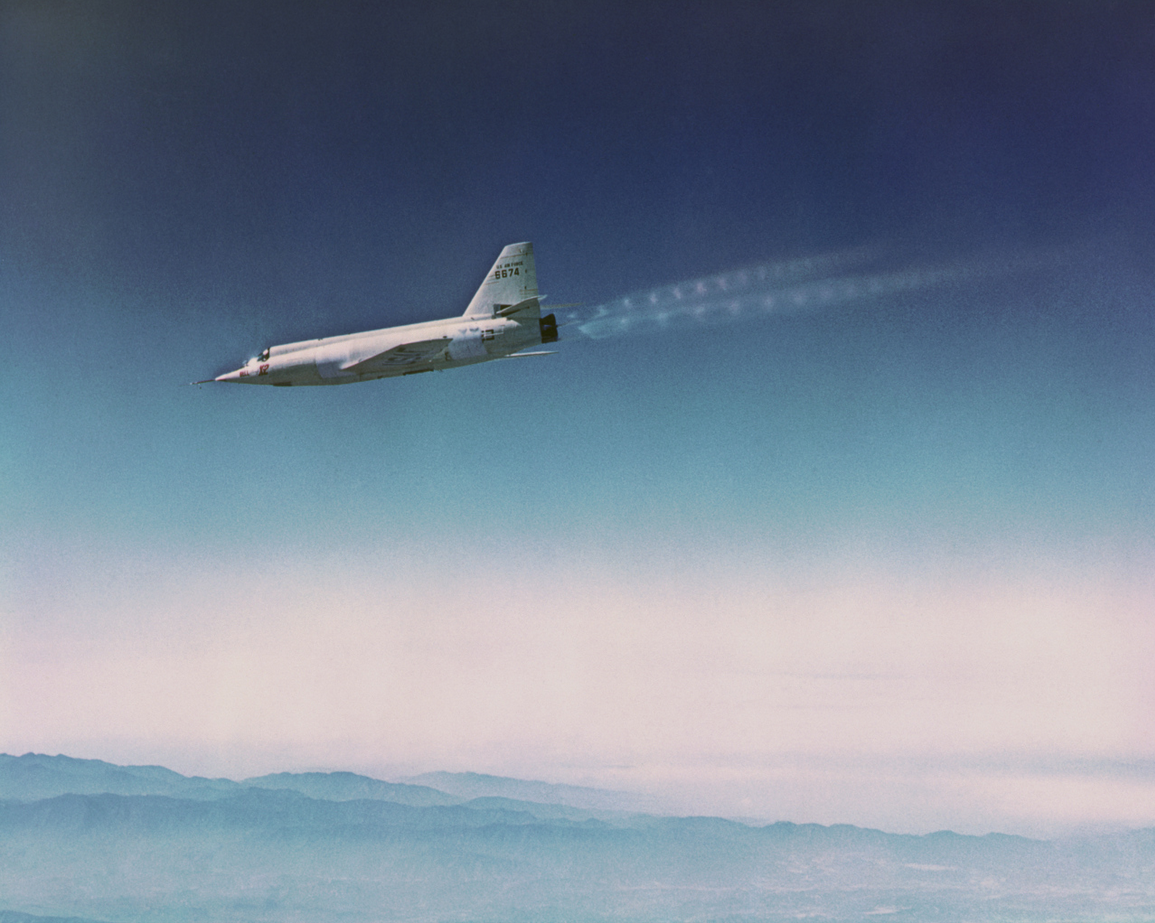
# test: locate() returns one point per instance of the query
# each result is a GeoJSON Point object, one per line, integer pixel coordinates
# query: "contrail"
{"type": "Point", "coordinates": [805, 284]}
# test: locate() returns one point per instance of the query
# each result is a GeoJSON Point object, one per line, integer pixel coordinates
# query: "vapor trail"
{"type": "Point", "coordinates": [805, 284]}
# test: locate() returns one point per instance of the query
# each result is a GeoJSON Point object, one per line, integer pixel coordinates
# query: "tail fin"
{"type": "Point", "coordinates": [512, 279]}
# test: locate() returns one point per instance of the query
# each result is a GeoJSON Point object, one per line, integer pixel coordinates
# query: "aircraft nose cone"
{"type": "Point", "coordinates": [229, 376]}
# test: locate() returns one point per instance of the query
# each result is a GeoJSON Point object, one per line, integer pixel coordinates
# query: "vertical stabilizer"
{"type": "Point", "coordinates": [512, 279]}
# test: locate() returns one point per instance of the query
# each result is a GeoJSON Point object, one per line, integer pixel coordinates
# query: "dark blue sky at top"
{"type": "Point", "coordinates": [265, 149]}
{"type": "Point", "coordinates": [182, 185]}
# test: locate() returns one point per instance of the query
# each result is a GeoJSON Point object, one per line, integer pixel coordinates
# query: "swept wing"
{"type": "Point", "coordinates": [398, 356]}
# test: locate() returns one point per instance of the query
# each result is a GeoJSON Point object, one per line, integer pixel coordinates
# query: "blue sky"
{"type": "Point", "coordinates": [881, 557]}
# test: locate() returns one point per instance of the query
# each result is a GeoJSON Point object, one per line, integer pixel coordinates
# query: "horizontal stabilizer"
{"type": "Point", "coordinates": [398, 356]}
{"type": "Point", "coordinates": [529, 304]}
{"type": "Point", "coordinates": [540, 352]}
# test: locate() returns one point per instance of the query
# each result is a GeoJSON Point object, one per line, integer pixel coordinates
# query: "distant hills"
{"type": "Point", "coordinates": [474, 785]}
{"type": "Point", "coordinates": [84, 840]}
{"type": "Point", "coordinates": [35, 776]}
{"type": "Point", "coordinates": [347, 786]}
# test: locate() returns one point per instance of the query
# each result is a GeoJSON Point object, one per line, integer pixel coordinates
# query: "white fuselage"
{"type": "Point", "coordinates": [333, 360]}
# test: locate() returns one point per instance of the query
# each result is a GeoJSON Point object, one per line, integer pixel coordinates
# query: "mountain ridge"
{"type": "Point", "coordinates": [481, 785]}
{"type": "Point", "coordinates": [272, 852]}
{"type": "Point", "coordinates": [35, 776]}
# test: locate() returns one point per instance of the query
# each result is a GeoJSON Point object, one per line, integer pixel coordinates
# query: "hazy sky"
{"type": "Point", "coordinates": [871, 541]}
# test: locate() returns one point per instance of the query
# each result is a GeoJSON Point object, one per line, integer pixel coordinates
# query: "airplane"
{"type": "Point", "coordinates": [503, 319]}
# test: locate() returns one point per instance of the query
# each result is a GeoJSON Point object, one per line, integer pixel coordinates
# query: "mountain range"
{"type": "Point", "coordinates": [88, 840]}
